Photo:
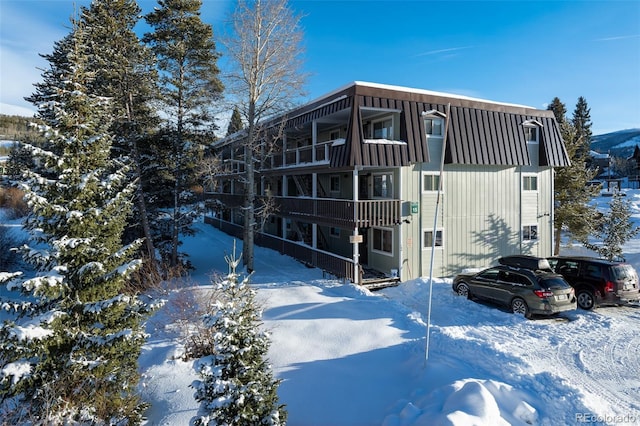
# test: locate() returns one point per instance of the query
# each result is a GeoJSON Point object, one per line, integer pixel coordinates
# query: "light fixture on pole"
{"type": "Point", "coordinates": [435, 220]}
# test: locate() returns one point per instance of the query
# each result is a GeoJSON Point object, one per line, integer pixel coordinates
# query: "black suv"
{"type": "Point", "coordinates": [598, 281]}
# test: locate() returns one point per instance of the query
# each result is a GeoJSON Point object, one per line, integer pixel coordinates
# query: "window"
{"type": "Point", "coordinates": [530, 232]}
{"type": "Point", "coordinates": [427, 239]}
{"type": "Point", "coordinates": [383, 186]}
{"type": "Point", "coordinates": [383, 129]}
{"type": "Point", "coordinates": [531, 133]}
{"type": "Point", "coordinates": [335, 183]}
{"type": "Point", "coordinates": [433, 126]}
{"type": "Point", "coordinates": [529, 183]}
{"type": "Point", "coordinates": [334, 232]}
{"type": "Point", "coordinates": [532, 130]}
{"type": "Point", "coordinates": [334, 134]}
{"type": "Point", "coordinates": [379, 129]}
{"type": "Point", "coordinates": [489, 274]}
{"type": "Point", "coordinates": [430, 182]}
{"type": "Point", "coordinates": [382, 240]}
{"type": "Point", "coordinates": [514, 279]}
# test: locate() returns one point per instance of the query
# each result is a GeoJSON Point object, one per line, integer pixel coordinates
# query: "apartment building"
{"type": "Point", "coordinates": [374, 182]}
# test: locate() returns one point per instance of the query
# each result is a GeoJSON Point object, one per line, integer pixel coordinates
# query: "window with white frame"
{"type": "Point", "coordinates": [382, 240]}
{"type": "Point", "coordinates": [530, 233]}
{"type": "Point", "coordinates": [383, 185]}
{"type": "Point", "coordinates": [434, 126]}
{"type": "Point", "coordinates": [529, 183]}
{"type": "Point", "coordinates": [532, 130]}
{"type": "Point", "coordinates": [430, 182]}
{"type": "Point", "coordinates": [335, 184]}
{"type": "Point", "coordinates": [427, 238]}
{"type": "Point", "coordinates": [531, 133]}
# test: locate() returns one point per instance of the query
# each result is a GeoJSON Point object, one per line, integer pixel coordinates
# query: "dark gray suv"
{"type": "Point", "coordinates": [525, 291]}
{"type": "Point", "coordinates": [598, 281]}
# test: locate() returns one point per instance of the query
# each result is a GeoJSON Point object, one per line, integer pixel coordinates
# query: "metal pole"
{"type": "Point", "coordinates": [435, 230]}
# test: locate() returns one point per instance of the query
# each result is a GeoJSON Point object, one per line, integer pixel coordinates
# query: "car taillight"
{"type": "Point", "coordinates": [543, 293]}
{"type": "Point", "coordinates": [609, 287]}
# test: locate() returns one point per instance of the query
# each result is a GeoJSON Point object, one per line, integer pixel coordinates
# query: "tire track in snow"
{"type": "Point", "coordinates": [604, 360]}
{"type": "Point", "coordinates": [596, 353]}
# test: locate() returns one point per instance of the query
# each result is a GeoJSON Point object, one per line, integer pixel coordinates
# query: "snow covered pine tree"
{"type": "Point", "coordinates": [69, 354]}
{"type": "Point", "coordinates": [237, 386]}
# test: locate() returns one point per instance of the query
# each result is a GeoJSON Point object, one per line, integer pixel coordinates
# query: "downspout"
{"type": "Point", "coordinates": [401, 240]}
{"type": "Point", "coordinates": [520, 186]}
{"type": "Point", "coordinates": [552, 210]}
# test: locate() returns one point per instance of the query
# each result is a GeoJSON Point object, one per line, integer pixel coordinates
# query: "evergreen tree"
{"type": "Point", "coordinates": [614, 229]}
{"type": "Point", "coordinates": [125, 71]}
{"type": "Point", "coordinates": [20, 160]}
{"type": "Point", "coordinates": [189, 84]}
{"type": "Point", "coordinates": [572, 192]}
{"type": "Point", "coordinates": [237, 386]}
{"type": "Point", "coordinates": [581, 121]}
{"type": "Point", "coordinates": [70, 351]}
{"type": "Point", "coordinates": [559, 110]}
{"type": "Point", "coordinates": [235, 124]}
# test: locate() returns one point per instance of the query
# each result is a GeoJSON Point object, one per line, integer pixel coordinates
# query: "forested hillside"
{"type": "Point", "coordinates": [620, 143]}
{"type": "Point", "coordinates": [15, 127]}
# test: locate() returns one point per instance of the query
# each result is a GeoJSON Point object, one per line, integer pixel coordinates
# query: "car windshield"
{"type": "Point", "coordinates": [553, 282]}
{"type": "Point", "coordinates": [623, 272]}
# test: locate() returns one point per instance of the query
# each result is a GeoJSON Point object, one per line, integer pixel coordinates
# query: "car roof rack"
{"type": "Point", "coordinates": [526, 262]}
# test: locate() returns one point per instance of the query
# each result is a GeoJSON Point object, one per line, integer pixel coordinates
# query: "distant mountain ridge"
{"type": "Point", "coordinates": [619, 144]}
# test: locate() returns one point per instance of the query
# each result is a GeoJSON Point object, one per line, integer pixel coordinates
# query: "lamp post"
{"type": "Point", "coordinates": [435, 229]}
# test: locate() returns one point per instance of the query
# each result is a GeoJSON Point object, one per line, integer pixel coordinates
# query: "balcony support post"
{"type": "Point", "coordinates": [356, 237]}
{"type": "Point", "coordinates": [314, 140]}
{"type": "Point", "coordinates": [314, 194]}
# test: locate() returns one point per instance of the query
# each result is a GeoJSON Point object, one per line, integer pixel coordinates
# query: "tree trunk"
{"type": "Point", "coordinates": [557, 237]}
{"type": "Point", "coordinates": [249, 213]}
{"type": "Point", "coordinates": [142, 206]}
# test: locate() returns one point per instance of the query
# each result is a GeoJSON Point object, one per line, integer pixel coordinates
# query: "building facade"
{"type": "Point", "coordinates": [374, 181]}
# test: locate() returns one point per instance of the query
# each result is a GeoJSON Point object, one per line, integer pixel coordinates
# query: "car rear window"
{"type": "Point", "coordinates": [622, 272]}
{"type": "Point", "coordinates": [553, 282]}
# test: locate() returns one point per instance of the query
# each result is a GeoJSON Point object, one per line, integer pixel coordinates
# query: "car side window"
{"type": "Point", "coordinates": [490, 274]}
{"type": "Point", "coordinates": [594, 271]}
{"type": "Point", "coordinates": [568, 268]}
{"type": "Point", "coordinates": [522, 280]}
{"type": "Point", "coordinates": [512, 278]}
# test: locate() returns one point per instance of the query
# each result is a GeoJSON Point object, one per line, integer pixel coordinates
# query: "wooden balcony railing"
{"type": "Point", "coordinates": [329, 211]}
{"type": "Point", "coordinates": [229, 200]}
{"type": "Point", "coordinates": [303, 155]}
{"type": "Point", "coordinates": [338, 266]}
{"type": "Point", "coordinates": [341, 213]}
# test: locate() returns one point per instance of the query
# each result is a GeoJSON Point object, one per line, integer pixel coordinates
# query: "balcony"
{"type": "Point", "coordinates": [329, 211]}
{"type": "Point", "coordinates": [304, 155]}
{"type": "Point", "coordinates": [339, 212]}
{"type": "Point", "coordinates": [229, 200]}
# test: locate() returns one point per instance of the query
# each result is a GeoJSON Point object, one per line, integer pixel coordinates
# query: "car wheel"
{"type": "Point", "coordinates": [462, 289]}
{"type": "Point", "coordinates": [519, 307]}
{"type": "Point", "coordinates": [586, 300]}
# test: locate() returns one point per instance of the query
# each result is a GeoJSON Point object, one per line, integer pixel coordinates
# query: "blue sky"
{"type": "Point", "coordinates": [524, 52]}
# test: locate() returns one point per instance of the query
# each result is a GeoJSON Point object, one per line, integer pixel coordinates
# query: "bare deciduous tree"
{"type": "Point", "coordinates": [265, 51]}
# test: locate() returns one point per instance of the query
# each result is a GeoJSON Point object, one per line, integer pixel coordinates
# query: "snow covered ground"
{"type": "Point", "coordinates": [347, 356]}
